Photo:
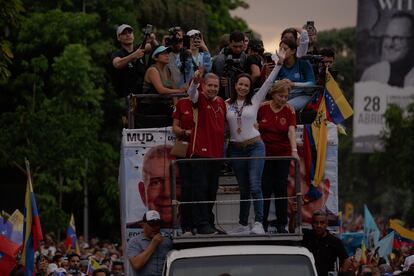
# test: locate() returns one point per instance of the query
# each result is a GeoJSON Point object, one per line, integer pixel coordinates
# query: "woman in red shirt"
{"type": "Point", "coordinates": [277, 123]}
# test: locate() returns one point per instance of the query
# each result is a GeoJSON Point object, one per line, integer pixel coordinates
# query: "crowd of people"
{"type": "Point", "coordinates": [240, 103]}
{"type": "Point", "coordinates": [93, 257]}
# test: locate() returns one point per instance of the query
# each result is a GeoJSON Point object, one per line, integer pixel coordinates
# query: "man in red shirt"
{"type": "Point", "coordinates": [207, 142]}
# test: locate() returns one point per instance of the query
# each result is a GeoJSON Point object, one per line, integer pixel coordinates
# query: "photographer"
{"type": "Point", "coordinates": [312, 33]}
{"type": "Point", "coordinates": [175, 41]}
{"type": "Point", "coordinates": [128, 63]}
{"type": "Point", "coordinates": [229, 63]}
{"type": "Point", "coordinates": [193, 56]}
{"type": "Point", "coordinates": [255, 62]}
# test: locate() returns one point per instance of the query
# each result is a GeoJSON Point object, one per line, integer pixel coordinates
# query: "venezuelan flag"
{"type": "Point", "coordinates": [403, 236]}
{"type": "Point", "coordinates": [92, 266]}
{"type": "Point", "coordinates": [71, 240]}
{"type": "Point", "coordinates": [337, 106]}
{"type": "Point", "coordinates": [320, 136]}
{"type": "Point", "coordinates": [32, 231]}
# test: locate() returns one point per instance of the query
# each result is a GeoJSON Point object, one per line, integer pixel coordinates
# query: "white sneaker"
{"type": "Point", "coordinates": [187, 234]}
{"type": "Point", "coordinates": [240, 230]}
{"type": "Point", "coordinates": [258, 229]}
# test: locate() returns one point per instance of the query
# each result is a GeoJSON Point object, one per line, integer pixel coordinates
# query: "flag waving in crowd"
{"type": "Point", "coordinates": [71, 241]}
{"type": "Point", "coordinates": [32, 231]}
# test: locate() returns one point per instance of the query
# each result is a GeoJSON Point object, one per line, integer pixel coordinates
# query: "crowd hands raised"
{"type": "Point", "coordinates": [97, 258]}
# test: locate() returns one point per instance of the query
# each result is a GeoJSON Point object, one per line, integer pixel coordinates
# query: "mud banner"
{"type": "Point", "coordinates": [385, 67]}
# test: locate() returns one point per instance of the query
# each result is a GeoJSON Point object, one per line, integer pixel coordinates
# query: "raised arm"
{"type": "Point", "coordinates": [261, 94]}
{"type": "Point", "coordinates": [140, 260]}
{"type": "Point", "coordinates": [303, 43]}
{"type": "Point", "coordinates": [192, 90]}
{"type": "Point", "coordinates": [120, 63]}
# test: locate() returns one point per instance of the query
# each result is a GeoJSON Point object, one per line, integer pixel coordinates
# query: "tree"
{"type": "Point", "coordinates": [395, 164]}
{"type": "Point", "coordinates": [59, 108]}
{"type": "Point", "coordinates": [9, 19]}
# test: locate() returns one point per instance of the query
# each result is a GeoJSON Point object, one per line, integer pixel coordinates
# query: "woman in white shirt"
{"type": "Point", "coordinates": [245, 141]}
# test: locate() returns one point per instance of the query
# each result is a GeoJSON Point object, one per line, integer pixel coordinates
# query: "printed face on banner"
{"type": "Point", "coordinates": [155, 187]}
{"type": "Point", "coordinates": [398, 41]}
{"type": "Point", "coordinates": [385, 68]}
{"type": "Point", "coordinates": [328, 188]}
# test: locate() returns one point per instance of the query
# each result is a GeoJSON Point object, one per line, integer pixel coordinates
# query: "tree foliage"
{"type": "Point", "coordinates": [9, 20]}
{"type": "Point", "coordinates": [59, 108]}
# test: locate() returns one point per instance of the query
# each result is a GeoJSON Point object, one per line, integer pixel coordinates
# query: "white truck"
{"type": "Point", "coordinates": [240, 260]}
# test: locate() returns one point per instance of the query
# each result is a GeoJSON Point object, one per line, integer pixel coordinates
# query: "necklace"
{"type": "Point", "coordinates": [215, 111]}
{"type": "Point", "coordinates": [239, 113]}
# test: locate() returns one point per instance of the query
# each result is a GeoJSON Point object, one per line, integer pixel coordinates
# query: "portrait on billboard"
{"type": "Point", "coordinates": [395, 65]}
{"type": "Point", "coordinates": [385, 68]}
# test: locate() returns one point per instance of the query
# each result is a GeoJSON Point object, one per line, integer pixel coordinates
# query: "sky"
{"type": "Point", "coordinates": [270, 17]}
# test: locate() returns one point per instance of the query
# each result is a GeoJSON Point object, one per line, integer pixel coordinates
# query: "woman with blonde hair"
{"type": "Point", "coordinates": [277, 123]}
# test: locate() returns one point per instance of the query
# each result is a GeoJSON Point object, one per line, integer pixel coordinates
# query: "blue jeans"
{"type": "Point", "coordinates": [249, 176]}
{"type": "Point", "coordinates": [298, 99]}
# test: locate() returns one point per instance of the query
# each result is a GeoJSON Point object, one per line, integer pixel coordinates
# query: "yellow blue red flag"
{"type": "Point", "coordinates": [32, 231]}
{"type": "Point", "coordinates": [337, 105]}
{"type": "Point", "coordinates": [71, 240]}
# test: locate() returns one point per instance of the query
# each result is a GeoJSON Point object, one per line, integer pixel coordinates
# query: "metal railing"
{"type": "Point", "coordinates": [133, 99]}
{"type": "Point", "coordinates": [176, 203]}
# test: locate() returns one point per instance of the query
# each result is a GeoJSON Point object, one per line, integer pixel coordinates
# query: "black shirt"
{"type": "Point", "coordinates": [130, 78]}
{"type": "Point", "coordinates": [254, 59]}
{"type": "Point", "coordinates": [325, 250]}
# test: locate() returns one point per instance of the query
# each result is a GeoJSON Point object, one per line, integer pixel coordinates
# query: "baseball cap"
{"type": "Point", "coordinates": [193, 32]}
{"type": "Point", "coordinates": [160, 50]}
{"type": "Point", "coordinates": [51, 268]}
{"type": "Point", "coordinates": [60, 272]}
{"type": "Point", "coordinates": [121, 28]}
{"type": "Point", "coordinates": [152, 217]}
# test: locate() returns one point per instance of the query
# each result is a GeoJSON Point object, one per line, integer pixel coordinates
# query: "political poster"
{"type": "Point", "coordinates": [385, 67]}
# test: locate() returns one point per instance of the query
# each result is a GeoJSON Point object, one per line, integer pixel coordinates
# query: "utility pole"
{"type": "Point", "coordinates": [85, 205]}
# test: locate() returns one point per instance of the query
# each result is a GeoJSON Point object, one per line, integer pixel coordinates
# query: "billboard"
{"type": "Point", "coordinates": [385, 67]}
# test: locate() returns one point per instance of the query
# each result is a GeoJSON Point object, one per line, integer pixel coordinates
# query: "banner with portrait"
{"type": "Point", "coordinates": [144, 176]}
{"type": "Point", "coordinates": [385, 67]}
{"type": "Point", "coordinates": [328, 187]}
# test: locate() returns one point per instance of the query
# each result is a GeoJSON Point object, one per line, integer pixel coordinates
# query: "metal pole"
{"type": "Point", "coordinates": [173, 196]}
{"type": "Point", "coordinates": [298, 226]}
{"type": "Point", "coordinates": [85, 205]}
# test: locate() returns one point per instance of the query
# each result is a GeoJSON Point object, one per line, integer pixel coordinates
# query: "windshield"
{"type": "Point", "coordinates": [243, 265]}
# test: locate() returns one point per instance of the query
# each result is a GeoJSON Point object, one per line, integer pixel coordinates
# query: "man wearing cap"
{"type": "Point", "coordinates": [128, 63]}
{"type": "Point", "coordinates": [147, 251]}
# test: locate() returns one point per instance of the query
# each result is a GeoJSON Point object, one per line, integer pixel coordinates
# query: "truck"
{"type": "Point", "coordinates": [240, 260]}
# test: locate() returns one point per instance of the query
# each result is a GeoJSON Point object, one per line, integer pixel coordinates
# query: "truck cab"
{"type": "Point", "coordinates": [240, 260]}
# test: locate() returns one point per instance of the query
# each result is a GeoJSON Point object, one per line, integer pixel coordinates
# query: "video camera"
{"type": "Point", "coordinates": [319, 68]}
{"type": "Point", "coordinates": [147, 32]}
{"type": "Point", "coordinates": [173, 38]}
